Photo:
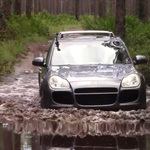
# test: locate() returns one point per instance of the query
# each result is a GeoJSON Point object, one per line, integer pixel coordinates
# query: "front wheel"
{"type": "Point", "coordinates": [44, 103]}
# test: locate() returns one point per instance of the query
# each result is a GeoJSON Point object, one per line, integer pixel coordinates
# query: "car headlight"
{"type": "Point", "coordinates": [58, 82]}
{"type": "Point", "coordinates": [132, 80]}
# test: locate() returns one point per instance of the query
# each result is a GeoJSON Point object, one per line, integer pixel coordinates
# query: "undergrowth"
{"type": "Point", "coordinates": [137, 36]}
{"type": "Point", "coordinates": [22, 30]}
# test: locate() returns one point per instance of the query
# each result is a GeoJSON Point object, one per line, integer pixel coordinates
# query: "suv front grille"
{"type": "Point", "coordinates": [96, 96]}
{"type": "Point", "coordinates": [96, 99]}
{"type": "Point", "coordinates": [96, 90]}
{"type": "Point", "coordinates": [62, 97]}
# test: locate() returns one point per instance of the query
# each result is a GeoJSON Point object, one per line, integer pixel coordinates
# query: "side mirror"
{"type": "Point", "coordinates": [39, 61]}
{"type": "Point", "coordinates": [140, 59]}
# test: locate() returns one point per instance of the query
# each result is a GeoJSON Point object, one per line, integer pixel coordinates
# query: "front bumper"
{"type": "Point", "coordinates": [106, 96]}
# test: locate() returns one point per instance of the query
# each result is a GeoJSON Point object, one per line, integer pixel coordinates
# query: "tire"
{"type": "Point", "coordinates": [143, 106]}
{"type": "Point", "coordinates": [44, 104]}
{"type": "Point", "coordinates": [41, 100]}
{"type": "Point", "coordinates": [143, 103]}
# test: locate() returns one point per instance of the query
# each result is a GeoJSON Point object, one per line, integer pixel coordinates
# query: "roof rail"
{"type": "Point", "coordinates": [110, 34]}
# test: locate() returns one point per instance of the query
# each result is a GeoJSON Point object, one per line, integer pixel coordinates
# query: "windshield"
{"type": "Point", "coordinates": [82, 53]}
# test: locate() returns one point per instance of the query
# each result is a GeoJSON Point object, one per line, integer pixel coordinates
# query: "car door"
{"type": "Point", "coordinates": [43, 70]}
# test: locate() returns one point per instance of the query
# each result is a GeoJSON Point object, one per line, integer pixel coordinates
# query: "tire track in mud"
{"type": "Point", "coordinates": [20, 108]}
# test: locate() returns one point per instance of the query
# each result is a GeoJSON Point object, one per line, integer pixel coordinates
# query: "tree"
{"type": "Point", "coordinates": [28, 7]}
{"type": "Point", "coordinates": [143, 10]}
{"type": "Point", "coordinates": [17, 7]}
{"type": "Point", "coordinates": [2, 19]}
{"type": "Point", "coordinates": [7, 8]}
{"type": "Point", "coordinates": [102, 8]}
{"type": "Point", "coordinates": [120, 18]}
{"type": "Point", "coordinates": [77, 9]}
{"type": "Point", "coordinates": [36, 6]}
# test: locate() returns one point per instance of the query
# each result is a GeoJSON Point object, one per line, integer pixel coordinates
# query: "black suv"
{"type": "Point", "coordinates": [90, 69]}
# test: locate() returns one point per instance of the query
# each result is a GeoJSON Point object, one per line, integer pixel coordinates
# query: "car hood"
{"type": "Point", "coordinates": [71, 72]}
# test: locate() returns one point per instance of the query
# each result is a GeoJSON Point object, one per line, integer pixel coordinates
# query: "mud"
{"type": "Point", "coordinates": [22, 84]}
{"type": "Point", "coordinates": [20, 108]}
{"type": "Point", "coordinates": [79, 123]}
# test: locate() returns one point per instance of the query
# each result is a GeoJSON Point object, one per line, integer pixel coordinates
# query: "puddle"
{"type": "Point", "coordinates": [27, 141]}
{"type": "Point", "coordinates": [21, 87]}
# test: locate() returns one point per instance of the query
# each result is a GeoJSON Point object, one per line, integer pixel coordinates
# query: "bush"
{"type": "Point", "coordinates": [90, 22]}
{"type": "Point", "coordinates": [42, 24]}
{"type": "Point", "coordinates": [22, 30]}
{"type": "Point", "coordinates": [9, 51]}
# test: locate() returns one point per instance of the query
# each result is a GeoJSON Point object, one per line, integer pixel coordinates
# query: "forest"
{"type": "Point", "coordinates": [25, 21]}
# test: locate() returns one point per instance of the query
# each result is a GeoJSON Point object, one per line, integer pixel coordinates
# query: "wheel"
{"type": "Point", "coordinates": [44, 104]}
{"type": "Point", "coordinates": [143, 106]}
{"type": "Point", "coordinates": [41, 101]}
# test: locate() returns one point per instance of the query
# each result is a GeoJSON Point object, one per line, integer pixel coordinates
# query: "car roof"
{"type": "Point", "coordinates": [84, 36]}
{"type": "Point", "coordinates": [83, 33]}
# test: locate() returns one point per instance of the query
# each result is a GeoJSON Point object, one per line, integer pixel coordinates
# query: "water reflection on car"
{"type": "Point", "coordinates": [27, 141]}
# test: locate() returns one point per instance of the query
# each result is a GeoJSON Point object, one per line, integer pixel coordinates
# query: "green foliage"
{"type": "Point", "coordinates": [22, 30]}
{"type": "Point", "coordinates": [138, 41]}
{"type": "Point", "coordinates": [90, 22]}
{"type": "Point", "coordinates": [137, 35]}
{"type": "Point", "coordinates": [9, 51]}
{"type": "Point", "coordinates": [42, 24]}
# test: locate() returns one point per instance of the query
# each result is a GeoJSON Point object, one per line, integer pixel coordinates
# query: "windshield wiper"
{"type": "Point", "coordinates": [57, 42]}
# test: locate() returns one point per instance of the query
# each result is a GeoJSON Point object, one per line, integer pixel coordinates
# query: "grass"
{"type": "Point", "coordinates": [137, 36]}
{"type": "Point", "coordinates": [22, 30]}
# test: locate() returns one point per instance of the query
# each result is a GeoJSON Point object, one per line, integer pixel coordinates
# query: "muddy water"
{"type": "Point", "coordinates": [33, 128]}
{"type": "Point", "coordinates": [20, 87]}
{"type": "Point", "coordinates": [25, 126]}
{"type": "Point", "coordinates": [27, 141]}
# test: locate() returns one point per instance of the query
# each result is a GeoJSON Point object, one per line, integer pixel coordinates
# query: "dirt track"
{"type": "Point", "coordinates": [20, 109]}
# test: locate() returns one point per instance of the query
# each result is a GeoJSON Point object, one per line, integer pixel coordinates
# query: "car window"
{"type": "Point", "coordinates": [48, 53]}
{"type": "Point", "coordinates": [95, 52]}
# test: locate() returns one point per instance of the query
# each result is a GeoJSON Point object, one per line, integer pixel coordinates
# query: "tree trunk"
{"type": "Point", "coordinates": [7, 8]}
{"type": "Point", "coordinates": [17, 7]}
{"type": "Point", "coordinates": [29, 7]}
{"type": "Point", "coordinates": [143, 10]}
{"type": "Point", "coordinates": [40, 5]}
{"type": "Point", "coordinates": [2, 19]}
{"type": "Point", "coordinates": [77, 9]}
{"type": "Point", "coordinates": [120, 18]}
{"type": "Point", "coordinates": [102, 8]}
{"type": "Point", "coordinates": [36, 6]}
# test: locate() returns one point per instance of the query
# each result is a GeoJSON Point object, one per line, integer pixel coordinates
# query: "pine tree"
{"type": "Point", "coordinates": [77, 9]}
{"type": "Point", "coordinates": [102, 8]}
{"type": "Point", "coordinates": [143, 10]}
{"type": "Point", "coordinates": [29, 7]}
{"type": "Point", "coordinates": [120, 18]}
{"type": "Point", "coordinates": [17, 7]}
